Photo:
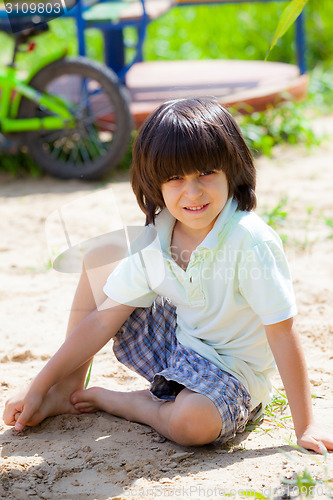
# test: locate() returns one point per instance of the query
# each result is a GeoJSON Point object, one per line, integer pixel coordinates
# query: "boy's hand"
{"type": "Point", "coordinates": [312, 436]}
{"type": "Point", "coordinates": [20, 409]}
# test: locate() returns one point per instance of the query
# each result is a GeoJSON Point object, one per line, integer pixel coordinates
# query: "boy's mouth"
{"type": "Point", "coordinates": [196, 208]}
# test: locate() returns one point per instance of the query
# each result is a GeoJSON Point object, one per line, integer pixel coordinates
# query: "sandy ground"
{"type": "Point", "coordinates": [100, 456]}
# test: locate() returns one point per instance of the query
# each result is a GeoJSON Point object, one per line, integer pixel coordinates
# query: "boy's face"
{"type": "Point", "coordinates": [196, 200]}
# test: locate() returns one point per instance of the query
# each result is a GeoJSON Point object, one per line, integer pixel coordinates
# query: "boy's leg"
{"type": "Point", "coordinates": [89, 294]}
{"type": "Point", "coordinates": [192, 419]}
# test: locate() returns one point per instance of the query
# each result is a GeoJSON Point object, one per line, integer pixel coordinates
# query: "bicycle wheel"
{"type": "Point", "coordinates": [103, 121]}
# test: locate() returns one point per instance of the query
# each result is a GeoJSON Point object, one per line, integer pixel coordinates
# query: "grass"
{"type": "Point", "coordinates": [236, 32]}
{"type": "Point", "coordinates": [329, 223]}
{"type": "Point", "coordinates": [276, 216]}
{"type": "Point", "coordinates": [305, 484]}
{"type": "Point", "coordinates": [287, 123]}
{"type": "Point", "coordinates": [86, 383]}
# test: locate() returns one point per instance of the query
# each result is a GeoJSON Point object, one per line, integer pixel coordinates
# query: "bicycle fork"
{"type": "Point", "coordinates": [62, 118]}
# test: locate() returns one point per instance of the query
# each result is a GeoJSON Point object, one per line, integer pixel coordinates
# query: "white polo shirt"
{"type": "Point", "coordinates": [237, 281]}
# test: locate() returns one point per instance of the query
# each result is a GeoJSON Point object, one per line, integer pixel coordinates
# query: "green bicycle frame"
{"type": "Point", "coordinates": [10, 84]}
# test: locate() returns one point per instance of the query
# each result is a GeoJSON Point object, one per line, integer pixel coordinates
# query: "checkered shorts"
{"type": "Point", "coordinates": [147, 344]}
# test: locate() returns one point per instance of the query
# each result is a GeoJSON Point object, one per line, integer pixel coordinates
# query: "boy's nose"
{"type": "Point", "coordinates": [193, 189]}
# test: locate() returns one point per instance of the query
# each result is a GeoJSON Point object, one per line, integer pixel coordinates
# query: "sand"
{"type": "Point", "coordinates": [100, 456]}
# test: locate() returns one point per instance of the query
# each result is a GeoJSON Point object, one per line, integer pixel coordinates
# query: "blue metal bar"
{"type": "Point", "coordinates": [80, 25]}
{"type": "Point", "coordinates": [114, 54]}
{"type": "Point", "coordinates": [300, 43]}
{"type": "Point", "coordinates": [114, 45]}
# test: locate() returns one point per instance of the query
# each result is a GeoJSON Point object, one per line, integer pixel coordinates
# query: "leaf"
{"type": "Point", "coordinates": [247, 494]}
{"type": "Point", "coordinates": [288, 17]}
{"type": "Point", "coordinates": [252, 494]}
{"type": "Point", "coordinates": [88, 375]}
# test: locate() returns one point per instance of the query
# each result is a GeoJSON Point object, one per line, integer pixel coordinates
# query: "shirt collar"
{"type": "Point", "coordinates": [226, 214]}
{"type": "Point", "coordinates": [164, 223]}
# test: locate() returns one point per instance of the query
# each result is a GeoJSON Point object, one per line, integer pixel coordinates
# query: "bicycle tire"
{"type": "Point", "coordinates": [103, 120]}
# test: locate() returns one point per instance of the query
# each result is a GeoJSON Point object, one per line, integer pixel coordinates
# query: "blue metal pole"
{"type": "Point", "coordinates": [80, 25]}
{"type": "Point", "coordinates": [300, 42]}
{"type": "Point", "coordinates": [114, 52]}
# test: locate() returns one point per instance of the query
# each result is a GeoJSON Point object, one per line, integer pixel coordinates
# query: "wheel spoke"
{"type": "Point", "coordinates": [56, 149]}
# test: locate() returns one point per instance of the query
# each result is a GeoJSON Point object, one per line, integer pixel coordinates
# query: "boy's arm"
{"type": "Point", "coordinates": [285, 344]}
{"type": "Point", "coordinates": [90, 335]}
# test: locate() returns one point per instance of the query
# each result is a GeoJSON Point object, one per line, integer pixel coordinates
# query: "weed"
{"type": "Point", "coordinates": [304, 483]}
{"type": "Point", "coordinates": [329, 223]}
{"type": "Point", "coordinates": [287, 123]}
{"type": "Point", "coordinates": [19, 163]}
{"type": "Point", "coordinates": [46, 267]}
{"type": "Point", "coordinates": [274, 411]}
{"type": "Point", "coordinates": [307, 242]}
{"type": "Point", "coordinates": [276, 216]}
{"type": "Point", "coordinates": [273, 415]}
{"type": "Point", "coordinates": [321, 89]}
{"type": "Point", "coordinates": [86, 383]}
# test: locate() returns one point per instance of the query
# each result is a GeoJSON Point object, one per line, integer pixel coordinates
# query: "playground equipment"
{"type": "Point", "coordinates": [255, 84]}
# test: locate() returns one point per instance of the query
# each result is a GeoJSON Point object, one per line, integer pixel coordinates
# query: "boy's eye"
{"type": "Point", "coordinates": [174, 178]}
{"type": "Point", "coordinates": [208, 172]}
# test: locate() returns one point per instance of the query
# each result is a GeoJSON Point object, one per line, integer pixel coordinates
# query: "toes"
{"type": "Point", "coordinates": [88, 409]}
{"type": "Point", "coordinates": [85, 396]}
{"type": "Point", "coordinates": [85, 407]}
{"type": "Point", "coordinates": [78, 397]}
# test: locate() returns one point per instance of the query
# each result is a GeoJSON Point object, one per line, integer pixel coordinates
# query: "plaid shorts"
{"type": "Point", "coordinates": [147, 344]}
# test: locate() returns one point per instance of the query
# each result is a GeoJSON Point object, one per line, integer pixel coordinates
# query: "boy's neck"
{"type": "Point", "coordinates": [184, 241]}
{"type": "Point", "coordinates": [192, 236]}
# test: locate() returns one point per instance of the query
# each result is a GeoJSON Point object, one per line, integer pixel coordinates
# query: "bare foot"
{"type": "Point", "coordinates": [114, 402]}
{"type": "Point", "coordinates": [56, 402]}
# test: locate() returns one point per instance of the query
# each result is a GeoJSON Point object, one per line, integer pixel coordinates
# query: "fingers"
{"type": "Point", "coordinates": [319, 445]}
{"type": "Point", "coordinates": [24, 417]}
{"type": "Point", "coordinates": [11, 412]}
{"type": "Point", "coordinates": [310, 443]}
{"type": "Point", "coordinates": [20, 410]}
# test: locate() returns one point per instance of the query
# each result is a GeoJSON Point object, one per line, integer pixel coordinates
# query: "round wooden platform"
{"type": "Point", "coordinates": [249, 85]}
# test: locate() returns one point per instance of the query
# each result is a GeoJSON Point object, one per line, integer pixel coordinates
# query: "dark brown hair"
{"type": "Point", "coordinates": [185, 136]}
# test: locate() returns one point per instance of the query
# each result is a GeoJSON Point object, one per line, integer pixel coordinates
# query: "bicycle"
{"type": "Point", "coordinates": [72, 114]}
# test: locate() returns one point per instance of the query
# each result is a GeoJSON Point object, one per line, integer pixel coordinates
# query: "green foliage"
{"type": "Point", "coordinates": [320, 90]}
{"type": "Point", "coordinates": [329, 223]}
{"type": "Point", "coordinates": [273, 415]}
{"type": "Point", "coordinates": [304, 483]}
{"type": "Point", "coordinates": [277, 215]}
{"type": "Point", "coordinates": [217, 32]}
{"type": "Point", "coordinates": [287, 123]}
{"type": "Point", "coordinates": [277, 406]}
{"type": "Point", "coordinates": [239, 32]}
{"type": "Point", "coordinates": [86, 383]}
{"type": "Point", "coordinates": [196, 33]}
{"type": "Point", "coordinates": [291, 12]}
{"type": "Point", "coordinates": [17, 164]}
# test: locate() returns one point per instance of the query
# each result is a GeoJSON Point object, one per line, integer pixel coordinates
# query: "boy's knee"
{"type": "Point", "coordinates": [195, 424]}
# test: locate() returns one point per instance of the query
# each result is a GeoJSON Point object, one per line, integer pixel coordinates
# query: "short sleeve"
{"type": "Point", "coordinates": [265, 282]}
{"type": "Point", "coordinates": [129, 284]}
